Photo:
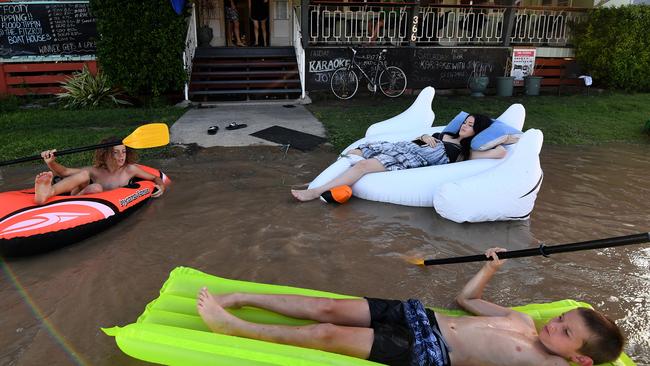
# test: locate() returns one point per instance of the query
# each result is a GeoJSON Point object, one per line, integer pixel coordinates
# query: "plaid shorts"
{"type": "Point", "coordinates": [404, 154]}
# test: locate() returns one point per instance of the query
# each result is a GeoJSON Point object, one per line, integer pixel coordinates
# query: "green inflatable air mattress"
{"type": "Point", "coordinates": [170, 331]}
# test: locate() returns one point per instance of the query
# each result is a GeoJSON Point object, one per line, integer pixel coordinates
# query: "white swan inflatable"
{"type": "Point", "coordinates": [468, 191]}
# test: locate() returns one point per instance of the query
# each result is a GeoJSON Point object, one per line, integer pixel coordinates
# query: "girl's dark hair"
{"type": "Point", "coordinates": [606, 341]}
{"type": "Point", "coordinates": [105, 153]}
{"type": "Point", "coordinates": [481, 122]}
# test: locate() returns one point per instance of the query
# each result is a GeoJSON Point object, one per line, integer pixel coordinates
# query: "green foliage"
{"type": "Point", "coordinates": [85, 90]}
{"type": "Point", "coordinates": [646, 128]}
{"type": "Point", "coordinates": [141, 45]}
{"type": "Point", "coordinates": [613, 45]}
{"type": "Point", "coordinates": [564, 120]}
{"type": "Point", "coordinates": [9, 103]}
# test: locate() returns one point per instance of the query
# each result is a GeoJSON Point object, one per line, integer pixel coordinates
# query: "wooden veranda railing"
{"type": "Point", "coordinates": [403, 23]}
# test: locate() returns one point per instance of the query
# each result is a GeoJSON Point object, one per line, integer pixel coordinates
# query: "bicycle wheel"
{"type": "Point", "coordinates": [344, 83]}
{"type": "Point", "coordinates": [392, 81]}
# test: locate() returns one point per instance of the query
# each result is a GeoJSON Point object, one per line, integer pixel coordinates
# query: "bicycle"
{"type": "Point", "coordinates": [390, 79]}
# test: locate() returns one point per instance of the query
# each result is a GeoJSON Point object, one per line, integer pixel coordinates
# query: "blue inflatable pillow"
{"type": "Point", "coordinates": [498, 133]}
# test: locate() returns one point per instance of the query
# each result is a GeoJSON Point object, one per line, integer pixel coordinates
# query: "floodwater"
{"type": "Point", "coordinates": [229, 213]}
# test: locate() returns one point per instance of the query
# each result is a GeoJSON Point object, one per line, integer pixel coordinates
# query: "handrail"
{"type": "Point", "coordinates": [300, 52]}
{"type": "Point", "coordinates": [190, 49]}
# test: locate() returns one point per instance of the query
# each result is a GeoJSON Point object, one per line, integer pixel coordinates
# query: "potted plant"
{"type": "Point", "coordinates": [478, 81]}
{"type": "Point", "coordinates": [506, 82]}
{"type": "Point", "coordinates": [532, 82]}
{"type": "Point", "coordinates": [204, 33]}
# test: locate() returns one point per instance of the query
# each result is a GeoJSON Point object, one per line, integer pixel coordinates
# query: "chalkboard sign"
{"type": "Point", "coordinates": [451, 67]}
{"type": "Point", "coordinates": [322, 62]}
{"type": "Point", "coordinates": [42, 29]}
{"type": "Point", "coordinates": [440, 67]}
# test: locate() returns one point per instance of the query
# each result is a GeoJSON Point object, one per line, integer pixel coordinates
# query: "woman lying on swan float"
{"type": "Point", "coordinates": [441, 148]}
{"type": "Point", "coordinates": [497, 179]}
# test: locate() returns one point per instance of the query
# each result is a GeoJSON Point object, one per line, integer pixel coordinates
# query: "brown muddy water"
{"type": "Point", "coordinates": [229, 213]}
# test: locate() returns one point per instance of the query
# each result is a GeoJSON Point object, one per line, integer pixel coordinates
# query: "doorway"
{"type": "Point", "coordinates": [214, 19]}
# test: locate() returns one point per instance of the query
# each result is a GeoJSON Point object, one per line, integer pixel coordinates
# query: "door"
{"type": "Point", "coordinates": [281, 24]}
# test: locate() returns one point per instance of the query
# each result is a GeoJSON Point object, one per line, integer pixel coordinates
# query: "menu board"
{"type": "Point", "coordinates": [523, 64]}
{"type": "Point", "coordinates": [42, 29]}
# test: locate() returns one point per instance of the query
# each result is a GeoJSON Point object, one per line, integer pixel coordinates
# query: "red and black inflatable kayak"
{"type": "Point", "coordinates": [27, 229]}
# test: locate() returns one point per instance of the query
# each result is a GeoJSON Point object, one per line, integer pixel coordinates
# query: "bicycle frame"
{"type": "Point", "coordinates": [379, 65]}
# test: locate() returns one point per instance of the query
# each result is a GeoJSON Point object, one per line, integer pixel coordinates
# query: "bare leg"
{"type": "Point", "coordinates": [237, 36]}
{"type": "Point", "coordinates": [256, 31]}
{"type": "Point", "coordinates": [90, 189]}
{"type": "Point", "coordinates": [44, 189]}
{"type": "Point", "coordinates": [349, 312]}
{"type": "Point", "coordinates": [229, 35]}
{"type": "Point", "coordinates": [351, 341]}
{"type": "Point", "coordinates": [349, 177]}
{"type": "Point", "coordinates": [263, 26]}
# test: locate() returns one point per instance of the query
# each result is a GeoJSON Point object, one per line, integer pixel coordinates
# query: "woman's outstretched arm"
{"type": "Point", "coordinates": [495, 153]}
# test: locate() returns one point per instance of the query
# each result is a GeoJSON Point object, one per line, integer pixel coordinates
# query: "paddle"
{"type": "Point", "coordinates": [543, 250]}
{"type": "Point", "coordinates": [145, 136]}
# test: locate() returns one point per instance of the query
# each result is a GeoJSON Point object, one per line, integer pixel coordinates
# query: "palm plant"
{"type": "Point", "coordinates": [85, 90]}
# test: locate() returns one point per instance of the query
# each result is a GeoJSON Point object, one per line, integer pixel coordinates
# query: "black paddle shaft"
{"type": "Point", "coordinates": [547, 250]}
{"type": "Point", "coordinates": [62, 152]}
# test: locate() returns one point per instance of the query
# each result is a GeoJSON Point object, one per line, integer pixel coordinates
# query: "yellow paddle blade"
{"type": "Point", "coordinates": [149, 135]}
{"type": "Point", "coordinates": [415, 260]}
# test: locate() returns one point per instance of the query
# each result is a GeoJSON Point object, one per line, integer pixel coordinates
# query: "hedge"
{"type": "Point", "coordinates": [140, 45]}
{"type": "Point", "coordinates": [614, 46]}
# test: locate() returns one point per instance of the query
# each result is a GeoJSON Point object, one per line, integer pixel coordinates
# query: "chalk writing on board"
{"type": "Point", "coordinates": [47, 29]}
{"type": "Point", "coordinates": [451, 67]}
{"type": "Point", "coordinates": [322, 62]}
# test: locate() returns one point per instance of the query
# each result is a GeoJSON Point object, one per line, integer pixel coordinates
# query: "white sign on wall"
{"type": "Point", "coordinates": [523, 64]}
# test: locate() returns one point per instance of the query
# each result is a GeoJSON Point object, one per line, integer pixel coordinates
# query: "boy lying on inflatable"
{"type": "Point", "coordinates": [405, 333]}
{"type": "Point", "coordinates": [442, 148]}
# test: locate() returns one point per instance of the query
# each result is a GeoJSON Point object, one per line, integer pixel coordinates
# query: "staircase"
{"type": "Point", "coordinates": [232, 74]}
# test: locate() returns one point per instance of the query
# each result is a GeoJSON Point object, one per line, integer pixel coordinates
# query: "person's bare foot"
{"type": "Point", "coordinates": [305, 194]}
{"type": "Point", "coordinates": [42, 187]}
{"type": "Point", "coordinates": [300, 185]}
{"type": "Point", "coordinates": [214, 316]}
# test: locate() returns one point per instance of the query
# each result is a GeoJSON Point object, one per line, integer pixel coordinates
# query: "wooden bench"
{"type": "Point", "coordinates": [38, 77]}
{"type": "Point", "coordinates": [559, 72]}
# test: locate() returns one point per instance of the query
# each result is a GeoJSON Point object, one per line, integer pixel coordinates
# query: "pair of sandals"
{"type": "Point", "coordinates": [232, 126]}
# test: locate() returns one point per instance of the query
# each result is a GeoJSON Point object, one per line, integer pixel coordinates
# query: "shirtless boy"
{"type": "Point", "coordinates": [112, 168]}
{"type": "Point", "coordinates": [403, 333]}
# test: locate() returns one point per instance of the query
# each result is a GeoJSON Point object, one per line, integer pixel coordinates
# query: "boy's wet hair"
{"type": "Point", "coordinates": [103, 154]}
{"type": "Point", "coordinates": [606, 341]}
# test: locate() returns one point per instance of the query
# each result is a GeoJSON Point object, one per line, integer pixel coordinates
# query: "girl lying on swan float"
{"type": "Point", "coordinates": [410, 160]}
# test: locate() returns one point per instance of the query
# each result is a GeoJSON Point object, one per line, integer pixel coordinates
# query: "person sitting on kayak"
{"type": "Point", "coordinates": [441, 148]}
{"type": "Point", "coordinates": [405, 333]}
{"type": "Point", "coordinates": [113, 167]}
